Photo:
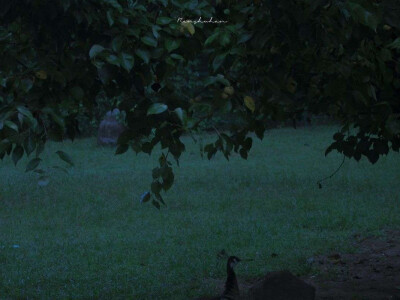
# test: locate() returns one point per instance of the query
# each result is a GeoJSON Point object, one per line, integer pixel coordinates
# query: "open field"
{"type": "Point", "coordinates": [86, 235]}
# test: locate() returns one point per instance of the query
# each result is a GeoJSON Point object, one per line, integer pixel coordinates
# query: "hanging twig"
{"type": "Point", "coordinates": [333, 174]}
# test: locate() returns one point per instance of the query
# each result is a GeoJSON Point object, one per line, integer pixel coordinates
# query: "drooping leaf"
{"type": "Point", "coordinates": [26, 112]}
{"type": "Point", "coordinates": [18, 152]}
{"type": "Point", "coordinates": [372, 156]}
{"type": "Point", "coordinates": [163, 20]}
{"type": "Point", "coordinates": [189, 27]}
{"type": "Point", "coordinates": [11, 125]}
{"type": "Point", "coordinates": [65, 157]}
{"type": "Point", "coordinates": [177, 56]}
{"type": "Point", "coordinates": [395, 44]}
{"type": "Point", "coordinates": [157, 108]}
{"type": "Point", "coordinates": [155, 29]}
{"type": "Point", "coordinates": [218, 61]}
{"type": "Point", "coordinates": [29, 145]}
{"type": "Point", "coordinates": [172, 44]}
{"type": "Point", "coordinates": [143, 54]}
{"type": "Point", "coordinates": [362, 15]}
{"type": "Point", "coordinates": [113, 59]}
{"type": "Point", "coordinates": [149, 41]}
{"type": "Point", "coordinates": [116, 43]}
{"type": "Point", "coordinates": [211, 38]}
{"type": "Point", "coordinates": [121, 149]}
{"type": "Point", "coordinates": [182, 115]}
{"type": "Point", "coordinates": [127, 61]}
{"type": "Point", "coordinates": [145, 197]}
{"type": "Point", "coordinates": [33, 163]}
{"type": "Point", "coordinates": [156, 187]}
{"type": "Point", "coordinates": [110, 18]}
{"type": "Point", "coordinates": [249, 102]}
{"type": "Point", "coordinates": [156, 204]}
{"type": "Point", "coordinates": [26, 84]}
{"type": "Point", "coordinates": [95, 50]}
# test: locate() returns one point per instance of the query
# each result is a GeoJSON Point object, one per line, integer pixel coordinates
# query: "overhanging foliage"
{"type": "Point", "coordinates": [271, 60]}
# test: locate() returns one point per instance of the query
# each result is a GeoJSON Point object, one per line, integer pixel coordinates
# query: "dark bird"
{"type": "Point", "coordinates": [231, 291]}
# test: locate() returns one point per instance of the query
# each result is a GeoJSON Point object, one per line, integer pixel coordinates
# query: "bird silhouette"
{"type": "Point", "coordinates": [231, 291]}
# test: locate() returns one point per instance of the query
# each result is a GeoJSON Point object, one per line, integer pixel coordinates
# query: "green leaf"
{"type": "Point", "coordinates": [95, 50]}
{"type": "Point", "coordinates": [156, 187]}
{"type": "Point", "coordinates": [33, 164]}
{"type": "Point", "coordinates": [29, 145]}
{"type": "Point", "coordinates": [362, 16]}
{"type": "Point", "coordinates": [145, 197]}
{"type": "Point", "coordinates": [121, 149]}
{"type": "Point", "coordinates": [168, 177]}
{"type": "Point", "coordinates": [249, 102]}
{"type": "Point", "coordinates": [114, 60]}
{"type": "Point", "coordinates": [110, 18]}
{"type": "Point", "coordinates": [17, 154]}
{"type": "Point", "coordinates": [114, 4]}
{"type": "Point", "coordinates": [211, 39]}
{"type": "Point", "coordinates": [225, 38]}
{"type": "Point", "coordinates": [56, 118]}
{"type": "Point", "coordinates": [117, 42]}
{"type": "Point", "coordinates": [163, 20]}
{"type": "Point", "coordinates": [156, 173]}
{"type": "Point", "coordinates": [156, 204]}
{"type": "Point", "coordinates": [157, 108]}
{"type": "Point", "coordinates": [243, 153]}
{"type": "Point", "coordinates": [395, 44]}
{"type": "Point", "coordinates": [244, 37]}
{"type": "Point", "coordinates": [372, 156]}
{"type": "Point", "coordinates": [26, 84]}
{"type": "Point", "coordinates": [182, 115]}
{"type": "Point", "coordinates": [189, 27]}
{"type": "Point", "coordinates": [160, 198]}
{"type": "Point", "coordinates": [155, 30]}
{"type": "Point", "coordinates": [149, 41]}
{"type": "Point", "coordinates": [65, 157]}
{"type": "Point", "coordinates": [210, 80]}
{"type": "Point", "coordinates": [171, 44]}
{"type": "Point", "coordinates": [11, 125]}
{"type": "Point", "coordinates": [123, 20]}
{"type": "Point", "coordinates": [143, 54]}
{"type": "Point", "coordinates": [26, 112]}
{"type": "Point", "coordinates": [127, 61]}
{"type": "Point", "coordinates": [177, 56]}
{"type": "Point", "coordinates": [223, 80]}
{"type": "Point", "coordinates": [218, 60]}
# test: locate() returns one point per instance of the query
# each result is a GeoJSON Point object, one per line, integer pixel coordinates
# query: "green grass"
{"type": "Point", "coordinates": [86, 235]}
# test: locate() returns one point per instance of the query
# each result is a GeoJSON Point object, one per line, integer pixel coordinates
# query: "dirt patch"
{"type": "Point", "coordinates": [371, 273]}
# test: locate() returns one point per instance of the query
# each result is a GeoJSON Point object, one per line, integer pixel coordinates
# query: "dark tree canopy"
{"type": "Point", "coordinates": [271, 60]}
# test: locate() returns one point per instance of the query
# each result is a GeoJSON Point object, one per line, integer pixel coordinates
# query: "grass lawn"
{"type": "Point", "coordinates": [86, 235]}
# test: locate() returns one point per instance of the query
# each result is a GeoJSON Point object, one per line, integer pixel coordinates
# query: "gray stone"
{"type": "Point", "coordinates": [110, 129]}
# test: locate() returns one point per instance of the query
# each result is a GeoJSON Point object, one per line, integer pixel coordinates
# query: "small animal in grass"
{"type": "Point", "coordinates": [231, 291]}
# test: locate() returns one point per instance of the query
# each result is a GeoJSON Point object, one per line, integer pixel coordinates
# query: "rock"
{"type": "Point", "coordinates": [281, 285]}
{"type": "Point", "coordinates": [109, 129]}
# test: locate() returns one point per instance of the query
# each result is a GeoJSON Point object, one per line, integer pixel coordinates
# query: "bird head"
{"type": "Point", "coordinates": [233, 260]}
